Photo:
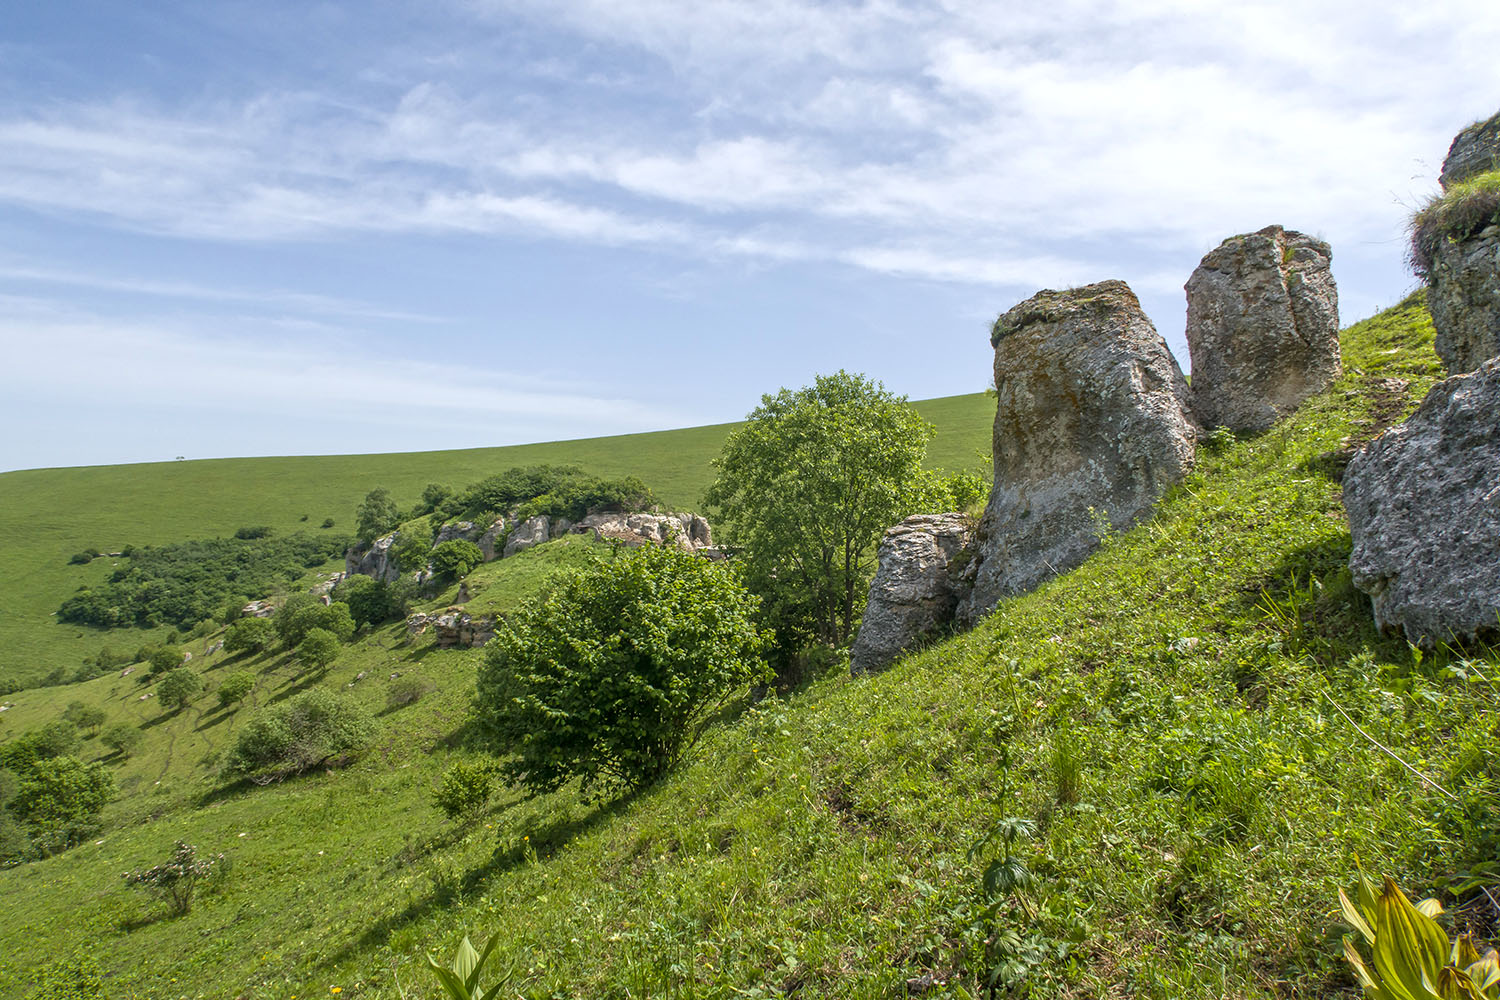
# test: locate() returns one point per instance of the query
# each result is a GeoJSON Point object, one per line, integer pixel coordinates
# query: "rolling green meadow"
{"type": "Point", "coordinates": [1164, 738]}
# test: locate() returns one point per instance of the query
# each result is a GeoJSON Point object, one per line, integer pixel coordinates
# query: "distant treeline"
{"type": "Point", "coordinates": [185, 583]}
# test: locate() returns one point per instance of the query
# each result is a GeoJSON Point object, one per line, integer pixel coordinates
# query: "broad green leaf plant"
{"type": "Point", "coordinates": [1411, 958]}
{"type": "Point", "coordinates": [461, 979]}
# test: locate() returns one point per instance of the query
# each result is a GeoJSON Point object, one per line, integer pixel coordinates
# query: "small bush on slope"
{"type": "Point", "coordinates": [310, 730]}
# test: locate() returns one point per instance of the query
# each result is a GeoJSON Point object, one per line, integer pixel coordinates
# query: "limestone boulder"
{"type": "Point", "coordinates": [373, 560]}
{"type": "Point", "coordinates": [452, 628]}
{"type": "Point", "coordinates": [1463, 295]}
{"type": "Point", "coordinates": [688, 532]}
{"type": "Point", "coordinates": [1475, 150]}
{"type": "Point", "coordinates": [456, 531]}
{"type": "Point", "coordinates": [530, 532]}
{"type": "Point", "coordinates": [1262, 328]}
{"type": "Point", "coordinates": [1091, 426]}
{"type": "Point", "coordinates": [1423, 501]}
{"type": "Point", "coordinates": [490, 543]}
{"type": "Point", "coordinates": [916, 588]}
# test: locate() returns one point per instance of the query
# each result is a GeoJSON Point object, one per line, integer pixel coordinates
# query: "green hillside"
{"type": "Point", "coordinates": [46, 515]}
{"type": "Point", "coordinates": [1168, 721]}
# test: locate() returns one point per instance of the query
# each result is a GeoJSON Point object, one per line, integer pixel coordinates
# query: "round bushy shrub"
{"type": "Point", "coordinates": [318, 648]}
{"type": "Point", "coordinates": [466, 787]}
{"type": "Point", "coordinates": [164, 659]}
{"type": "Point", "coordinates": [235, 688]}
{"type": "Point", "coordinates": [406, 691]}
{"type": "Point", "coordinates": [313, 729]}
{"type": "Point", "coordinates": [456, 558]}
{"type": "Point", "coordinates": [60, 800]}
{"type": "Point", "coordinates": [613, 675]}
{"type": "Point", "coordinates": [123, 738]}
{"type": "Point", "coordinates": [178, 688]}
{"type": "Point", "coordinates": [249, 635]}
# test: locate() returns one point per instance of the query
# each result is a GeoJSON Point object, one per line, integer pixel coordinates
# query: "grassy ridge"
{"type": "Point", "coordinates": [47, 515]}
{"type": "Point", "coordinates": [1167, 714]}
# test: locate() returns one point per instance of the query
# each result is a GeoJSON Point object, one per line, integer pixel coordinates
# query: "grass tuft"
{"type": "Point", "coordinates": [1463, 210]}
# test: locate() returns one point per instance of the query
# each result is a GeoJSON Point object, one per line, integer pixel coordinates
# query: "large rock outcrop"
{"type": "Point", "coordinates": [1463, 295]}
{"type": "Point", "coordinates": [1475, 150]}
{"type": "Point", "coordinates": [1091, 426]}
{"type": "Point", "coordinates": [528, 533]}
{"type": "Point", "coordinates": [456, 531]}
{"type": "Point", "coordinates": [452, 627]}
{"type": "Point", "coordinates": [1262, 328]}
{"type": "Point", "coordinates": [688, 532]}
{"type": "Point", "coordinates": [493, 536]}
{"type": "Point", "coordinates": [373, 560]}
{"type": "Point", "coordinates": [1424, 511]}
{"type": "Point", "coordinates": [916, 588]}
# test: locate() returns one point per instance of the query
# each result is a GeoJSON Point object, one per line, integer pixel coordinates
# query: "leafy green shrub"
{"type": "Point", "coordinates": [184, 583]}
{"type": "Point", "coordinates": [434, 495]}
{"type": "Point", "coordinates": [123, 738]}
{"type": "Point", "coordinates": [235, 688]}
{"type": "Point", "coordinates": [254, 531]}
{"type": "Point", "coordinates": [466, 787]}
{"type": "Point", "coordinates": [405, 691]}
{"type": "Point", "coordinates": [176, 880]}
{"type": "Point", "coordinates": [327, 522]}
{"type": "Point", "coordinates": [54, 739]}
{"type": "Point", "coordinates": [613, 675]}
{"type": "Point", "coordinates": [409, 551]}
{"type": "Point", "coordinates": [249, 635]}
{"type": "Point", "coordinates": [311, 730]}
{"type": "Point", "coordinates": [318, 648]}
{"type": "Point", "coordinates": [302, 613]}
{"type": "Point", "coordinates": [163, 660]}
{"type": "Point", "coordinates": [178, 688]}
{"type": "Point", "coordinates": [376, 515]}
{"type": "Point", "coordinates": [505, 490]}
{"type": "Point", "coordinates": [1455, 215]}
{"type": "Point", "coordinates": [368, 599]}
{"type": "Point", "coordinates": [83, 716]}
{"type": "Point", "coordinates": [60, 799]}
{"type": "Point", "coordinates": [82, 558]}
{"type": "Point", "coordinates": [456, 558]}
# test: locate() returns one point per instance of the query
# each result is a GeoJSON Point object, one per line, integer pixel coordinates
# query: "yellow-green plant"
{"type": "Point", "coordinates": [461, 980]}
{"type": "Point", "coordinates": [1411, 958]}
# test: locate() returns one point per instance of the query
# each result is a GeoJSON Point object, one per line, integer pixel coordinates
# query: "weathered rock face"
{"type": "Point", "coordinates": [1424, 510]}
{"type": "Point", "coordinates": [1474, 150]}
{"type": "Point", "coordinates": [373, 560]}
{"type": "Point", "coordinates": [1091, 425]}
{"type": "Point", "coordinates": [688, 532]}
{"type": "Point", "coordinates": [532, 531]}
{"type": "Point", "coordinates": [455, 531]}
{"type": "Point", "coordinates": [1262, 327]}
{"type": "Point", "coordinates": [915, 590]}
{"type": "Point", "coordinates": [491, 538]}
{"type": "Point", "coordinates": [258, 609]}
{"type": "Point", "coordinates": [1463, 295]}
{"type": "Point", "coordinates": [453, 627]}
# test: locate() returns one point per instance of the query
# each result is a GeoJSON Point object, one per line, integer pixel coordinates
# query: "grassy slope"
{"type": "Point", "coordinates": [47, 515]}
{"type": "Point", "coordinates": [1163, 713]}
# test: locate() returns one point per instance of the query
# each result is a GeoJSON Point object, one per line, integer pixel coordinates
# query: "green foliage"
{"type": "Point", "coordinates": [376, 515]}
{"type": "Point", "coordinates": [184, 583]}
{"type": "Point", "coordinates": [82, 558]}
{"type": "Point", "coordinates": [466, 787]}
{"type": "Point", "coordinates": [123, 738]}
{"type": "Point", "coordinates": [409, 551]}
{"type": "Point", "coordinates": [178, 688]}
{"type": "Point", "coordinates": [60, 799]}
{"type": "Point", "coordinates": [370, 601]}
{"type": "Point", "coordinates": [434, 495]}
{"type": "Point", "coordinates": [1455, 215]}
{"type": "Point", "coordinates": [163, 660]}
{"type": "Point", "coordinates": [249, 635]}
{"type": "Point", "coordinates": [302, 613]}
{"type": "Point", "coordinates": [461, 979]}
{"type": "Point", "coordinates": [318, 648]}
{"type": "Point", "coordinates": [405, 691]}
{"type": "Point", "coordinates": [576, 497]}
{"type": "Point", "coordinates": [1411, 956]}
{"type": "Point", "coordinates": [806, 487]}
{"type": "Point", "coordinates": [313, 729]}
{"type": "Point", "coordinates": [85, 716]}
{"type": "Point", "coordinates": [328, 522]}
{"type": "Point", "coordinates": [54, 739]}
{"type": "Point", "coordinates": [235, 688]}
{"type": "Point", "coordinates": [456, 558]}
{"type": "Point", "coordinates": [67, 979]}
{"type": "Point", "coordinates": [613, 675]}
{"type": "Point", "coordinates": [175, 881]}
{"type": "Point", "coordinates": [255, 531]}
{"type": "Point", "coordinates": [506, 490]}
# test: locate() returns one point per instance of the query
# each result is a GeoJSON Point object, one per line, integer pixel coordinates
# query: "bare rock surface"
{"type": "Point", "coordinates": [915, 591]}
{"type": "Point", "coordinates": [1475, 150]}
{"type": "Point", "coordinates": [1423, 501]}
{"type": "Point", "coordinates": [491, 538]}
{"type": "Point", "coordinates": [456, 531]}
{"type": "Point", "coordinates": [452, 627]}
{"type": "Point", "coordinates": [1262, 328]}
{"type": "Point", "coordinates": [1091, 427]}
{"type": "Point", "coordinates": [1463, 295]}
{"type": "Point", "coordinates": [689, 532]}
{"type": "Point", "coordinates": [530, 532]}
{"type": "Point", "coordinates": [373, 560]}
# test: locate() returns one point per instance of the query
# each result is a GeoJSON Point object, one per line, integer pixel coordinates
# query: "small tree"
{"type": "Point", "coordinates": [314, 728]}
{"type": "Point", "coordinates": [60, 800]}
{"type": "Point", "coordinates": [376, 515]}
{"type": "Point", "coordinates": [456, 558]}
{"type": "Point", "coordinates": [176, 880]}
{"type": "Point", "coordinates": [368, 599]}
{"type": "Point", "coordinates": [302, 613]}
{"type": "Point", "coordinates": [466, 787]}
{"type": "Point", "coordinates": [178, 688]}
{"type": "Point", "coordinates": [89, 717]}
{"type": "Point", "coordinates": [234, 688]}
{"type": "Point", "coordinates": [123, 738]}
{"type": "Point", "coordinates": [249, 635]}
{"type": "Point", "coordinates": [807, 486]}
{"type": "Point", "coordinates": [164, 659]}
{"type": "Point", "coordinates": [318, 648]}
{"type": "Point", "coordinates": [613, 675]}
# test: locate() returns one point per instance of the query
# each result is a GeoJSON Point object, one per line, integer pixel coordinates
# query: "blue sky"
{"type": "Point", "coordinates": [261, 228]}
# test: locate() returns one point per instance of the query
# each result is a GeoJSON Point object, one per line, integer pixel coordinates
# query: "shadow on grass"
{"type": "Point", "coordinates": [544, 839]}
{"type": "Point", "coordinates": [214, 717]}
{"type": "Point", "coordinates": [158, 719]}
{"type": "Point", "coordinates": [296, 685]}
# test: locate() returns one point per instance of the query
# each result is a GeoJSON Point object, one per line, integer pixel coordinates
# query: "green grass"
{"type": "Point", "coordinates": [46, 515]}
{"type": "Point", "coordinates": [1165, 714]}
{"type": "Point", "coordinates": [1453, 216]}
